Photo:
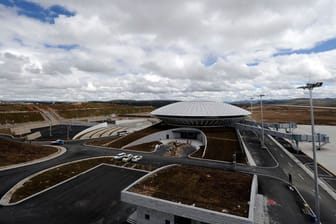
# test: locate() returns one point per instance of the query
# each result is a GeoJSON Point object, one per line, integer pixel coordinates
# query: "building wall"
{"type": "Point", "coordinates": [163, 135]}
{"type": "Point", "coordinates": [155, 217]}
{"type": "Point", "coordinates": [160, 206]}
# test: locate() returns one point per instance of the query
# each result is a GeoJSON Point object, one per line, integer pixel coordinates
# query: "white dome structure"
{"type": "Point", "coordinates": [200, 114]}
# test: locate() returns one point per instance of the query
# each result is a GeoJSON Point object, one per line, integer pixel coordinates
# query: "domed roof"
{"type": "Point", "coordinates": [200, 109]}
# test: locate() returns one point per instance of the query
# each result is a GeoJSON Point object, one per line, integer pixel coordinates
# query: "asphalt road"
{"type": "Point", "coordinates": [272, 168]}
{"type": "Point", "coordinates": [91, 198]}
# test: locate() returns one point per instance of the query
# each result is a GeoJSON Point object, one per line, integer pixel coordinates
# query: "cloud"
{"type": "Point", "coordinates": [187, 50]}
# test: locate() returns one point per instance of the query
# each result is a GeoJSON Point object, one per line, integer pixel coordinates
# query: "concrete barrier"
{"type": "Point", "coordinates": [160, 208]}
{"type": "Point", "coordinates": [162, 135]}
{"type": "Point", "coordinates": [33, 136]}
{"type": "Point", "coordinates": [101, 125]}
{"type": "Point", "coordinates": [249, 157]}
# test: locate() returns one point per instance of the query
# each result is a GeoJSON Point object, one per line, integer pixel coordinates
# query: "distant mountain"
{"type": "Point", "coordinates": [325, 102]}
{"type": "Point", "coordinates": [154, 103]}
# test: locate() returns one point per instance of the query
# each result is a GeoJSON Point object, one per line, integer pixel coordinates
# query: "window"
{"type": "Point", "coordinates": [146, 216]}
{"type": "Point", "coordinates": [167, 222]}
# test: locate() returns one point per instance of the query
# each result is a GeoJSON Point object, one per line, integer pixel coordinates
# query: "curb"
{"type": "Point", "coordinates": [61, 150]}
{"type": "Point", "coordinates": [247, 152]}
{"type": "Point", "coordinates": [118, 149]}
{"type": "Point", "coordinates": [4, 201]}
{"type": "Point", "coordinates": [310, 173]}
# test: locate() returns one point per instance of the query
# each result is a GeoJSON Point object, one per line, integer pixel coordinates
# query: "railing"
{"type": "Point", "coordinates": [321, 138]}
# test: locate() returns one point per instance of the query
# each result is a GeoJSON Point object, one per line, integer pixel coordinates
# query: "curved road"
{"type": "Point", "coordinates": [272, 170]}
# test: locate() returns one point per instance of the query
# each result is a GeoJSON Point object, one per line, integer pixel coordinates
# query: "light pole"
{"type": "Point", "coordinates": [310, 87]}
{"type": "Point", "coordinates": [50, 124]}
{"type": "Point", "coordinates": [262, 122]}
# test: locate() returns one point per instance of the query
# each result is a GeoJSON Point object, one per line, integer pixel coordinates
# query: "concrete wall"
{"type": "Point", "coordinates": [127, 122]}
{"type": "Point", "coordinates": [160, 206]}
{"type": "Point", "coordinates": [163, 135]}
{"type": "Point", "coordinates": [101, 125]}
{"type": "Point", "coordinates": [249, 157]}
{"type": "Point", "coordinates": [187, 211]}
{"type": "Point", "coordinates": [33, 136]}
{"type": "Point", "coordinates": [253, 197]}
{"type": "Point", "coordinates": [155, 217]}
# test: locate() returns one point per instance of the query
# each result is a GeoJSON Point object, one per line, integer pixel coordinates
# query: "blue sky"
{"type": "Point", "coordinates": [177, 49]}
{"type": "Point", "coordinates": [36, 11]}
{"type": "Point", "coordinates": [321, 46]}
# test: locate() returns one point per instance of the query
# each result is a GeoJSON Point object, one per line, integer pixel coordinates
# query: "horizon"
{"type": "Point", "coordinates": [157, 100]}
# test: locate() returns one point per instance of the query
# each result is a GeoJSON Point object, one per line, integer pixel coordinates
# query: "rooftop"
{"type": "Point", "coordinates": [200, 109]}
{"type": "Point", "coordinates": [217, 190]}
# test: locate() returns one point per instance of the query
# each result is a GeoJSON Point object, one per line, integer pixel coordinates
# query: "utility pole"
{"type": "Point", "coordinates": [50, 124]}
{"type": "Point", "coordinates": [310, 87]}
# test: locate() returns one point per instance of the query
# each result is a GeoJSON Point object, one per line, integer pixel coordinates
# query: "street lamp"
{"type": "Point", "coordinates": [310, 87]}
{"type": "Point", "coordinates": [262, 122]}
{"type": "Point", "coordinates": [50, 124]}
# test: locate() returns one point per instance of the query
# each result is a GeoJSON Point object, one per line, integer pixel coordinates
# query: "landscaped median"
{"type": "Point", "coordinates": [54, 176]}
{"type": "Point", "coordinates": [14, 153]}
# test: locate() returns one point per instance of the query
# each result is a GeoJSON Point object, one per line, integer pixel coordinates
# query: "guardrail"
{"type": "Point", "coordinates": [321, 138]}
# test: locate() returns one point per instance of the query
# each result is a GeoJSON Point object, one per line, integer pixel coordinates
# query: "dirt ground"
{"type": "Point", "coordinates": [176, 149]}
{"type": "Point", "coordinates": [222, 144]}
{"type": "Point", "coordinates": [56, 175]}
{"type": "Point", "coordinates": [12, 152]}
{"type": "Point", "coordinates": [136, 135]}
{"type": "Point", "coordinates": [299, 115]}
{"type": "Point", "coordinates": [77, 110]}
{"type": "Point", "coordinates": [230, 191]}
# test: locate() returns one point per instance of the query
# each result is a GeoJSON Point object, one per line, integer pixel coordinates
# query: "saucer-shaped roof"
{"type": "Point", "coordinates": [200, 109]}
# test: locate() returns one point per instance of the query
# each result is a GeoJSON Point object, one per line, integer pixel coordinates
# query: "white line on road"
{"type": "Point", "coordinates": [300, 176]}
{"type": "Point", "coordinates": [320, 196]}
{"type": "Point", "coordinates": [290, 164]}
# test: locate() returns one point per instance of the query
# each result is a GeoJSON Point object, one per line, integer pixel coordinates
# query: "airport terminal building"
{"type": "Point", "coordinates": [200, 114]}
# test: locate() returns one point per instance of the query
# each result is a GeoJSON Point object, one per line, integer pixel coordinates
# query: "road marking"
{"type": "Point", "coordinates": [320, 196]}
{"type": "Point", "coordinates": [290, 164]}
{"type": "Point", "coordinates": [301, 176]}
{"type": "Point", "coordinates": [281, 155]}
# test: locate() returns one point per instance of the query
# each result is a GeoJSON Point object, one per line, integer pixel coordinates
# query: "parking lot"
{"type": "Point", "coordinates": [91, 198]}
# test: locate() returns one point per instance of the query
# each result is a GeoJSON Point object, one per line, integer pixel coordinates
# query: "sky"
{"type": "Point", "coordinates": [56, 50]}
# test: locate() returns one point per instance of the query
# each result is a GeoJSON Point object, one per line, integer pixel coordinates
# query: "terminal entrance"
{"type": "Point", "coordinates": [182, 220]}
{"type": "Point", "coordinates": [188, 134]}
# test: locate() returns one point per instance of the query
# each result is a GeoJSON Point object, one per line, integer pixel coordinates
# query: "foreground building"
{"type": "Point", "coordinates": [193, 195]}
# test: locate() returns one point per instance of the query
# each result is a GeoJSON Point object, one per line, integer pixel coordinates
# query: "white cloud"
{"type": "Point", "coordinates": [155, 50]}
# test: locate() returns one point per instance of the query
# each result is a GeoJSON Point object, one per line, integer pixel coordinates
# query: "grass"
{"type": "Point", "coordinates": [15, 107]}
{"type": "Point", "coordinates": [102, 142]}
{"type": "Point", "coordinates": [54, 176]}
{"type": "Point", "coordinates": [20, 117]}
{"type": "Point", "coordinates": [137, 135]}
{"type": "Point", "coordinates": [299, 115]}
{"type": "Point", "coordinates": [212, 189]}
{"type": "Point", "coordinates": [6, 131]}
{"type": "Point", "coordinates": [18, 113]}
{"type": "Point", "coordinates": [12, 152]}
{"type": "Point", "coordinates": [198, 153]}
{"type": "Point", "coordinates": [77, 110]}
